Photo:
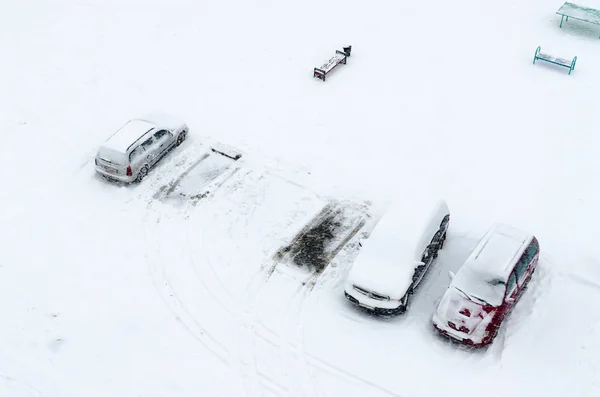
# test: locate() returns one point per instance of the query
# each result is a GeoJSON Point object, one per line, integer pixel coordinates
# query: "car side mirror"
{"type": "Point", "coordinates": [419, 264]}
{"type": "Point", "coordinates": [450, 274]}
{"type": "Point", "coordinates": [510, 300]}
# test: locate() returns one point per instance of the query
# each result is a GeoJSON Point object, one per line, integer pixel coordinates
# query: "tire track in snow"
{"type": "Point", "coordinates": [204, 273]}
{"type": "Point", "coordinates": [172, 301]}
{"type": "Point", "coordinates": [346, 253]}
{"type": "Point", "coordinates": [168, 169]}
{"type": "Point", "coordinates": [337, 371]}
{"type": "Point", "coordinates": [253, 381]}
{"type": "Point", "coordinates": [250, 330]}
{"type": "Point", "coordinates": [303, 377]}
{"type": "Point", "coordinates": [245, 361]}
{"type": "Point", "coordinates": [246, 337]}
{"type": "Point", "coordinates": [159, 274]}
{"type": "Point", "coordinates": [298, 376]}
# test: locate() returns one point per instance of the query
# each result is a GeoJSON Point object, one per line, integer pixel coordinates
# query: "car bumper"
{"type": "Point", "coordinates": [120, 178]}
{"type": "Point", "coordinates": [372, 305]}
{"type": "Point", "coordinates": [445, 330]}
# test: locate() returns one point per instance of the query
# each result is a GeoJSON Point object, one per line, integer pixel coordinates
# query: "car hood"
{"type": "Point", "coordinates": [459, 310]}
{"type": "Point", "coordinates": [383, 277]}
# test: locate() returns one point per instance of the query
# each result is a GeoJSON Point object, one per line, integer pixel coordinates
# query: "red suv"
{"type": "Point", "coordinates": [487, 286]}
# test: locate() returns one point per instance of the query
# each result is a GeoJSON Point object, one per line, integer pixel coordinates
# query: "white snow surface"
{"type": "Point", "coordinates": [165, 120]}
{"type": "Point", "coordinates": [107, 290]}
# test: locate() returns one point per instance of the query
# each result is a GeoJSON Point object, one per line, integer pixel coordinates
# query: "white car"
{"type": "Point", "coordinates": [396, 256]}
{"type": "Point", "coordinates": [129, 153]}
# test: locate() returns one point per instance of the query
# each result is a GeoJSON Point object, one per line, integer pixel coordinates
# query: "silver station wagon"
{"type": "Point", "coordinates": [129, 153]}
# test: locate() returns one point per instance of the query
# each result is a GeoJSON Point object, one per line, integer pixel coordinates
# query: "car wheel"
{"type": "Point", "coordinates": [181, 137]}
{"type": "Point", "coordinates": [142, 174]}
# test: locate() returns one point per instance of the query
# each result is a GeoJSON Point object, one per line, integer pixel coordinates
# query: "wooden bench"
{"type": "Point", "coordinates": [555, 60]}
{"type": "Point", "coordinates": [585, 14]}
{"type": "Point", "coordinates": [340, 57]}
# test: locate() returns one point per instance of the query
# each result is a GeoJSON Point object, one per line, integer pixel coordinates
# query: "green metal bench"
{"type": "Point", "coordinates": [555, 60]}
{"type": "Point", "coordinates": [585, 14]}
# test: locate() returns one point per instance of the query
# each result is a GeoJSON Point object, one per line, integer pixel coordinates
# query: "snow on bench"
{"type": "Point", "coordinates": [555, 60]}
{"type": "Point", "coordinates": [340, 57]}
{"type": "Point", "coordinates": [585, 14]}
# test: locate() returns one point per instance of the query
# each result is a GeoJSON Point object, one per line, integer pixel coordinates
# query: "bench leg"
{"type": "Point", "coordinates": [561, 20]}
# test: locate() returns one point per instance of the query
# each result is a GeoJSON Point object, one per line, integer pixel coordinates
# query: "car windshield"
{"type": "Point", "coordinates": [480, 287]}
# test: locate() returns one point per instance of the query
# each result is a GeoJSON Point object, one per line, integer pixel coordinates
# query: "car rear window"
{"type": "Point", "coordinates": [112, 155]}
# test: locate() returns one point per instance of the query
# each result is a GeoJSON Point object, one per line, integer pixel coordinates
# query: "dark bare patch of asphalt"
{"type": "Point", "coordinates": [322, 238]}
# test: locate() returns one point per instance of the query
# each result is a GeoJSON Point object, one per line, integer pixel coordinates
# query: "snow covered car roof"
{"type": "Point", "coordinates": [386, 262]}
{"type": "Point", "coordinates": [484, 274]}
{"type": "Point", "coordinates": [125, 136]}
{"type": "Point", "coordinates": [498, 250]}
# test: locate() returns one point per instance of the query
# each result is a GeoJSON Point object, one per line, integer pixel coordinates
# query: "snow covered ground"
{"type": "Point", "coordinates": [109, 290]}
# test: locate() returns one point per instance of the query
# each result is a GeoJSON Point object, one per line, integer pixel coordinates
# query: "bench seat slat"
{"type": "Point", "coordinates": [332, 62]}
{"type": "Point", "coordinates": [553, 59]}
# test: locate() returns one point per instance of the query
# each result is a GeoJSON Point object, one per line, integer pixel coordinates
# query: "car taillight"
{"type": "Point", "coordinates": [461, 328]}
{"type": "Point", "coordinates": [129, 173]}
{"type": "Point", "coordinates": [488, 309]}
{"type": "Point", "coordinates": [465, 312]}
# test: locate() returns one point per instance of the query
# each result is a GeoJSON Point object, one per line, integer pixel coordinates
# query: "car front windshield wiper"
{"type": "Point", "coordinates": [481, 300]}
{"type": "Point", "coordinates": [462, 292]}
{"type": "Point", "coordinates": [471, 297]}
